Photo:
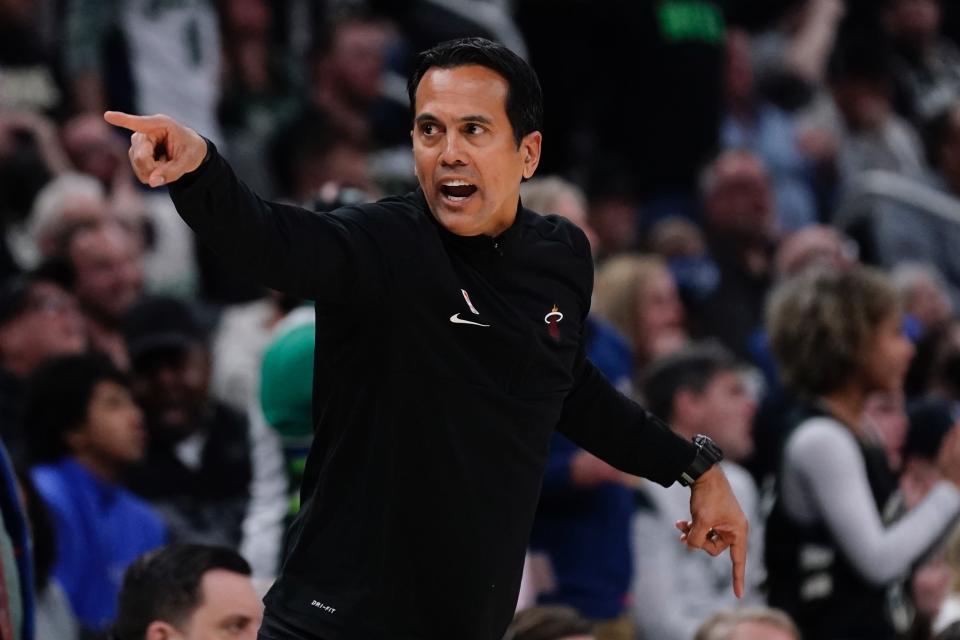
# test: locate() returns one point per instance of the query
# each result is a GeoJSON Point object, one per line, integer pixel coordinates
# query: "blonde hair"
{"type": "Point", "coordinates": [821, 324]}
{"type": "Point", "coordinates": [541, 194]}
{"type": "Point", "coordinates": [617, 291]}
{"type": "Point", "coordinates": [721, 625]}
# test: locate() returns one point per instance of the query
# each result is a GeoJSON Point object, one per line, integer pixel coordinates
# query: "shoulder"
{"type": "Point", "coordinates": [140, 516]}
{"type": "Point", "coordinates": [50, 481]}
{"type": "Point", "coordinates": [818, 438]}
{"type": "Point", "coordinates": [406, 208]}
{"type": "Point", "coordinates": [554, 229]}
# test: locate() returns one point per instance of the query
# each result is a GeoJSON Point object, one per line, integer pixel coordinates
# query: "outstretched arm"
{"type": "Point", "coordinates": [608, 424]}
{"type": "Point", "coordinates": [330, 258]}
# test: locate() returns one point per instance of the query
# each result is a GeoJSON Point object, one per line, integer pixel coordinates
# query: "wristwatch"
{"type": "Point", "coordinates": [708, 454]}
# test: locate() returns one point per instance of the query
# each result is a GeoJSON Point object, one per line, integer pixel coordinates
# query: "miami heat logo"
{"type": "Point", "coordinates": [552, 320]}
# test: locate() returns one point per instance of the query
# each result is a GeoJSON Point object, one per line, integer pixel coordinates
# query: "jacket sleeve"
{"type": "Point", "coordinates": [619, 431]}
{"type": "Point", "coordinates": [330, 258]}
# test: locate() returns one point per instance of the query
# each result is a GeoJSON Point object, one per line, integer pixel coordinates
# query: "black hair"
{"type": "Point", "coordinates": [329, 22]}
{"type": "Point", "coordinates": [691, 368]}
{"type": "Point", "coordinates": [57, 401]}
{"type": "Point", "coordinates": [862, 56]}
{"type": "Point", "coordinates": [164, 584]}
{"type": "Point", "coordinates": [524, 96]}
{"type": "Point", "coordinates": [15, 291]}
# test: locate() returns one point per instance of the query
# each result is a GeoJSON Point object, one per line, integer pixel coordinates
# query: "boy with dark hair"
{"type": "Point", "coordinates": [188, 591]}
{"type": "Point", "coordinates": [85, 430]}
{"type": "Point", "coordinates": [699, 389]}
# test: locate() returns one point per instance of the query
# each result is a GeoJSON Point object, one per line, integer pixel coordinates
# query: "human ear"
{"type": "Point", "coordinates": [160, 630]}
{"type": "Point", "coordinates": [530, 152]}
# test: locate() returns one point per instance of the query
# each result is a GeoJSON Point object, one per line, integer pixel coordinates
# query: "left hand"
{"type": "Point", "coordinates": [718, 523]}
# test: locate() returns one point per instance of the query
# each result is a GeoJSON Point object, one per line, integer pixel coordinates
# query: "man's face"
{"type": "Point", "coordinates": [357, 60]}
{"type": "Point", "coordinates": [467, 160]}
{"type": "Point", "coordinates": [229, 609]}
{"type": "Point", "coordinates": [113, 433]}
{"type": "Point", "coordinates": [50, 325]}
{"type": "Point", "coordinates": [172, 385]}
{"type": "Point", "coordinates": [109, 270]}
{"type": "Point", "coordinates": [727, 414]}
{"type": "Point", "coordinates": [740, 204]}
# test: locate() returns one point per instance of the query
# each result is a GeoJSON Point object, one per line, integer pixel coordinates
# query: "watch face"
{"type": "Point", "coordinates": [708, 449]}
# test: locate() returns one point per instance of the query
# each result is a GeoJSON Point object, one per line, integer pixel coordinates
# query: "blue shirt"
{"type": "Point", "coordinates": [100, 529]}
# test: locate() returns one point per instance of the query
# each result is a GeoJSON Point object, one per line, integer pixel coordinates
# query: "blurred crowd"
{"type": "Point", "coordinates": [772, 194]}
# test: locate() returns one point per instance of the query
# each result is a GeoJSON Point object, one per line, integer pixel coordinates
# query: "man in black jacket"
{"type": "Point", "coordinates": [450, 346]}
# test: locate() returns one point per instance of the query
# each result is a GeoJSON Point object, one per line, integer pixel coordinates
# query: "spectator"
{"type": "Point", "coordinates": [899, 219]}
{"type": "Point", "coordinates": [260, 87]}
{"type": "Point", "coordinates": [66, 204]}
{"type": "Point", "coordinates": [242, 335]}
{"type": "Point", "coordinates": [549, 623]}
{"type": "Point", "coordinates": [860, 114]}
{"type": "Point", "coordinates": [214, 475]}
{"type": "Point", "coordinates": [583, 519]}
{"type": "Point", "coordinates": [638, 296]}
{"type": "Point", "coordinates": [927, 65]}
{"type": "Point", "coordinates": [169, 52]}
{"type": "Point", "coordinates": [29, 79]}
{"type": "Point", "coordinates": [108, 263]}
{"type": "Point", "coordinates": [188, 591]}
{"type": "Point", "coordinates": [39, 320]}
{"type": "Point", "coordinates": [700, 389]}
{"type": "Point", "coordinates": [792, 58]}
{"type": "Point", "coordinates": [749, 624]}
{"type": "Point", "coordinates": [930, 420]}
{"type": "Point", "coordinates": [85, 432]}
{"type": "Point", "coordinates": [936, 369]}
{"type": "Point", "coordinates": [814, 246]}
{"type": "Point", "coordinates": [741, 225]}
{"type": "Point", "coordinates": [837, 338]}
{"type": "Point", "coordinates": [348, 64]}
{"type": "Point", "coordinates": [286, 392]}
{"type": "Point", "coordinates": [29, 157]}
{"type": "Point", "coordinates": [771, 133]}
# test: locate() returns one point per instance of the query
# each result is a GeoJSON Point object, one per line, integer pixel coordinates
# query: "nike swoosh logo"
{"type": "Point", "coordinates": [456, 319]}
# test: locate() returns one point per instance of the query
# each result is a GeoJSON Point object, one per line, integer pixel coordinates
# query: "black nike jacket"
{"type": "Point", "coordinates": [443, 364]}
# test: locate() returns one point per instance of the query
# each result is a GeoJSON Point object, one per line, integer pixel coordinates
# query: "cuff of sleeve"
{"type": "Point", "coordinates": [947, 495]}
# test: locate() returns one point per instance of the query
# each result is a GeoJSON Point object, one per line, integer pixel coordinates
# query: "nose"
{"type": "Point", "coordinates": [452, 154]}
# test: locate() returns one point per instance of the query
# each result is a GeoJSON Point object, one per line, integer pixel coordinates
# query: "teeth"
{"type": "Point", "coordinates": [455, 183]}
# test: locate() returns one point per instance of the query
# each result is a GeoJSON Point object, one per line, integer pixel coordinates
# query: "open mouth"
{"type": "Point", "coordinates": [457, 190]}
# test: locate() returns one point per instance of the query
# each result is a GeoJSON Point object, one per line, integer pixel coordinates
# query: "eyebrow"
{"type": "Point", "coordinates": [231, 620]}
{"type": "Point", "coordinates": [429, 117]}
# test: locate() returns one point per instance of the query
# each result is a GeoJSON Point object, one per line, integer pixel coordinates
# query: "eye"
{"type": "Point", "coordinates": [473, 129]}
{"type": "Point", "coordinates": [428, 128]}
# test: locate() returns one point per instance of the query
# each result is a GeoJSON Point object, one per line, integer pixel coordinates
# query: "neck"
{"type": "Point", "coordinates": [97, 467]}
{"type": "Point", "coordinates": [742, 108]}
{"type": "Point", "coordinates": [847, 406]}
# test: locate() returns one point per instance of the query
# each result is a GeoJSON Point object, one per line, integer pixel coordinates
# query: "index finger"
{"type": "Point", "coordinates": [738, 555]}
{"type": "Point", "coordinates": [141, 124]}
